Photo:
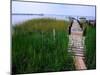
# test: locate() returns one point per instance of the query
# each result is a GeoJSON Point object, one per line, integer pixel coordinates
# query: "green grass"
{"type": "Point", "coordinates": [43, 25]}
{"type": "Point", "coordinates": [90, 42]}
{"type": "Point", "coordinates": [35, 50]}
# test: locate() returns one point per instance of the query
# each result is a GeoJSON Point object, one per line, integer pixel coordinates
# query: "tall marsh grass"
{"type": "Point", "coordinates": [90, 42]}
{"type": "Point", "coordinates": [35, 50]}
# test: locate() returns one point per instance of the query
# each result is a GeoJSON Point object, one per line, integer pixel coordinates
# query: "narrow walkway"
{"type": "Point", "coordinates": [76, 45]}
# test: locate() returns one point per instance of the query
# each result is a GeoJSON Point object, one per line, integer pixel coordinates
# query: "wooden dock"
{"type": "Point", "coordinates": [76, 46]}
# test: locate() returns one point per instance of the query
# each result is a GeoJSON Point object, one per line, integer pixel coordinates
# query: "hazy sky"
{"type": "Point", "coordinates": [45, 8]}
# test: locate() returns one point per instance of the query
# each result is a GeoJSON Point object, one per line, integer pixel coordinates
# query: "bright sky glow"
{"type": "Point", "coordinates": [47, 8]}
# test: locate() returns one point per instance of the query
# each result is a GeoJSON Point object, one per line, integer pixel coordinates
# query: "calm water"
{"type": "Point", "coordinates": [21, 18]}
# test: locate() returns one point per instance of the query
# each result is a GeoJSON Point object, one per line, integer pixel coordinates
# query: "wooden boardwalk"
{"type": "Point", "coordinates": [76, 45]}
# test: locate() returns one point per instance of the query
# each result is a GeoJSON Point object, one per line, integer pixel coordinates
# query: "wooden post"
{"type": "Point", "coordinates": [54, 34]}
